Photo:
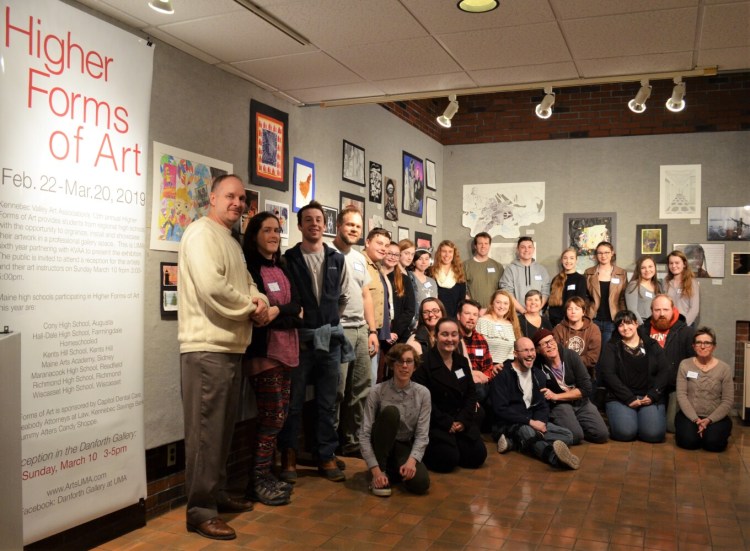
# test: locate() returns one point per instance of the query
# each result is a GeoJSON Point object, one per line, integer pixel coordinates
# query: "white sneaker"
{"type": "Point", "coordinates": [565, 456]}
{"type": "Point", "coordinates": [502, 444]}
{"type": "Point", "coordinates": [381, 492]}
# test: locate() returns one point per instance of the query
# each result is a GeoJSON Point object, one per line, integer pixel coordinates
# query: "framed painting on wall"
{"type": "Point", "coordinates": [304, 183]}
{"type": "Point", "coordinates": [429, 175]}
{"type": "Point", "coordinates": [269, 146]}
{"type": "Point", "coordinates": [391, 200]}
{"type": "Point", "coordinates": [705, 259]}
{"type": "Point", "coordinates": [353, 164]}
{"type": "Point", "coordinates": [651, 240]}
{"type": "Point", "coordinates": [729, 223]}
{"type": "Point", "coordinates": [403, 233]}
{"type": "Point", "coordinates": [168, 285]}
{"type": "Point", "coordinates": [680, 191]}
{"type": "Point", "coordinates": [346, 199]}
{"type": "Point", "coordinates": [431, 212]}
{"type": "Point", "coordinates": [413, 191]}
{"type": "Point", "coordinates": [281, 210]}
{"type": "Point", "coordinates": [741, 264]}
{"type": "Point", "coordinates": [252, 207]}
{"type": "Point", "coordinates": [423, 240]}
{"type": "Point", "coordinates": [330, 214]}
{"type": "Point", "coordinates": [584, 231]}
{"type": "Point", "coordinates": [376, 182]}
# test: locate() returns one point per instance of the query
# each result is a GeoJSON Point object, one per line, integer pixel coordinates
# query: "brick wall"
{"type": "Point", "coordinates": [714, 104]}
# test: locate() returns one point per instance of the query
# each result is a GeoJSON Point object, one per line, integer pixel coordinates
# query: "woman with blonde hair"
{"type": "Point", "coordinates": [499, 326]}
{"type": "Point", "coordinates": [643, 287]}
{"type": "Point", "coordinates": [567, 283]}
{"type": "Point", "coordinates": [682, 287]}
{"type": "Point", "coordinates": [448, 271]}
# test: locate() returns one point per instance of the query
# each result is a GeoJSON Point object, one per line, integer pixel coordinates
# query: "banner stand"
{"type": "Point", "coordinates": [11, 504]}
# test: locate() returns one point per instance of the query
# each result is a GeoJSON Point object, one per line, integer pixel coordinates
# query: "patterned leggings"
{"type": "Point", "coordinates": [272, 396]}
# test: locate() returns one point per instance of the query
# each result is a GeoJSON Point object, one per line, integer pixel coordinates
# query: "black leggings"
{"type": "Point", "coordinates": [715, 437]}
{"type": "Point", "coordinates": [447, 451]}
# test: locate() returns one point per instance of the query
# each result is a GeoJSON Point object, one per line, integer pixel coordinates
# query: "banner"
{"type": "Point", "coordinates": [74, 105]}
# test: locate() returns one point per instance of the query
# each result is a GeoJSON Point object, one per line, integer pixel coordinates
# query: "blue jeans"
{"type": "Point", "coordinates": [321, 369]}
{"type": "Point", "coordinates": [646, 423]}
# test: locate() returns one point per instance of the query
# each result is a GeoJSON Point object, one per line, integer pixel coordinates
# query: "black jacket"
{"type": "Point", "coordinates": [615, 376]}
{"type": "Point", "coordinates": [679, 345]}
{"type": "Point", "coordinates": [507, 397]}
{"type": "Point", "coordinates": [403, 308]}
{"type": "Point", "coordinates": [576, 375]}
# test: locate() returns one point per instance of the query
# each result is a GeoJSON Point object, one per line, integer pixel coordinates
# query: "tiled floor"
{"type": "Point", "coordinates": [625, 496]}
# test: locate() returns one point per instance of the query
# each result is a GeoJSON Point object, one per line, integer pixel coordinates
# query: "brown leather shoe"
{"type": "Point", "coordinates": [214, 529]}
{"type": "Point", "coordinates": [288, 466]}
{"type": "Point", "coordinates": [234, 505]}
{"type": "Point", "coordinates": [330, 470]}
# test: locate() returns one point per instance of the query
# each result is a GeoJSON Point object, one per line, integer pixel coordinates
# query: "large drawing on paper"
{"type": "Point", "coordinates": [502, 209]}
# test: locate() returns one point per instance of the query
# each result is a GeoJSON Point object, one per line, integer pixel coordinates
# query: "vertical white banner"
{"type": "Point", "coordinates": [74, 105]}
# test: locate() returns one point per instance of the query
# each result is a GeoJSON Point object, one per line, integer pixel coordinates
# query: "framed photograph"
{"type": "Point", "coordinates": [429, 175]}
{"type": "Point", "coordinates": [304, 183]}
{"type": "Point", "coordinates": [376, 182]}
{"type": "Point", "coordinates": [402, 233]}
{"type": "Point", "coordinates": [281, 210]}
{"type": "Point", "coordinates": [423, 240]}
{"type": "Point", "coordinates": [651, 240]}
{"type": "Point", "coordinates": [353, 164]}
{"type": "Point", "coordinates": [680, 191]}
{"type": "Point", "coordinates": [431, 208]}
{"type": "Point", "coordinates": [391, 200]}
{"type": "Point", "coordinates": [413, 190]}
{"type": "Point", "coordinates": [330, 215]}
{"type": "Point", "coordinates": [252, 207]}
{"type": "Point", "coordinates": [584, 231]}
{"type": "Point", "coordinates": [705, 259]}
{"type": "Point", "coordinates": [741, 264]}
{"type": "Point", "coordinates": [269, 146]}
{"type": "Point", "coordinates": [181, 187]}
{"type": "Point", "coordinates": [346, 199]}
{"type": "Point", "coordinates": [168, 287]}
{"type": "Point", "coordinates": [728, 223]}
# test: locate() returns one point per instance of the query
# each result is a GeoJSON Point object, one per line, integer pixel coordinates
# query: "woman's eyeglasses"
{"type": "Point", "coordinates": [703, 344]}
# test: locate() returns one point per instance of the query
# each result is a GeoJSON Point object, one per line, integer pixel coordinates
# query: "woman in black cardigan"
{"type": "Point", "coordinates": [456, 416]}
{"type": "Point", "coordinates": [402, 295]}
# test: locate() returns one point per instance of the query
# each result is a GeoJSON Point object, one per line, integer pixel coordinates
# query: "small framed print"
{"type": "Point", "coordinates": [403, 233]}
{"type": "Point", "coordinates": [729, 223]}
{"type": "Point", "coordinates": [353, 164]}
{"type": "Point", "coordinates": [741, 264]}
{"type": "Point", "coordinates": [423, 240]}
{"type": "Point", "coordinates": [168, 287]}
{"type": "Point", "coordinates": [429, 175]}
{"type": "Point", "coordinates": [391, 200]}
{"type": "Point", "coordinates": [376, 182]}
{"type": "Point", "coordinates": [346, 199]}
{"type": "Point", "coordinates": [330, 214]}
{"type": "Point", "coordinates": [651, 240]}
{"type": "Point", "coordinates": [252, 207]}
{"type": "Point", "coordinates": [431, 212]}
{"type": "Point", "coordinates": [269, 146]}
{"type": "Point", "coordinates": [304, 183]}
{"type": "Point", "coordinates": [705, 259]}
{"type": "Point", "coordinates": [281, 210]}
{"type": "Point", "coordinates": [413, 192]}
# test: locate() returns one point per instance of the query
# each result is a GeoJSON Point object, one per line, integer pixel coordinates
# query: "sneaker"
{"type": "Point", "coordinates": [565, 456]}
{"type": "Point", "coordinates": [381, 492]}
{"type": "Point", "coordinates": [285, 486]}
{"type": "Point", "coordinates": [330, 470]}
{"type": "Point", "coordinates": [266, 491]}
{"type": "Point", "coordinates": [502, 444]}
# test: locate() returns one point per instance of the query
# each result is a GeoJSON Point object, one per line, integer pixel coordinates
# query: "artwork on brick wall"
{"type": "Point", "coordinates": [502, 209]}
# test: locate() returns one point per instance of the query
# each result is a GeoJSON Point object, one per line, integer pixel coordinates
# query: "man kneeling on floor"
{"type": "Point", "coordinates": [522, 413]}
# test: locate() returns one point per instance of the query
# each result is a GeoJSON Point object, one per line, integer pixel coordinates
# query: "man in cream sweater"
{"type": "Point", "coordinates": [218, 303]}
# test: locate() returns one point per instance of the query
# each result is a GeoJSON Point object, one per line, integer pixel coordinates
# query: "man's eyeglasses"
{"type": "Point", "coordinates": [547, 344]}
{"type": "Point", "coordinates": [393, 255]}
{"type": "Point", "coordinates": [406, 362]}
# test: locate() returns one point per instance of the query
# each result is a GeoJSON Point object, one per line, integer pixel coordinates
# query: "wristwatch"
{"type": "Point", "coordinates": [373, 332]}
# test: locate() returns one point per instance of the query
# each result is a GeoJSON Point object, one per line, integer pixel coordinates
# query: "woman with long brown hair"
{"type": "Point", "coordinates": [566, 284]}
{"type": "Point", "coordinates": [448, 271]}
{"type": "Point", "coordinates": [401, 295]}
{"type": "Point", "coordinates": [682, 286]}
{"type": "Point", "coordinates": [643, 287]}
{"type": "Point", "coordinates": [606, 284]}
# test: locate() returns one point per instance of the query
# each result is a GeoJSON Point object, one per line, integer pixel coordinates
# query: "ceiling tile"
{"type": "Point", "coordinates": [528, 73]}
{"type": "Point", "coordinates": [578, 9]}
{"type": "Point", "coordinates": [180, 45]}
{"type": "Point", "coordinates": [408, 85]}
{"type": "Point", "coordinates": [635, 65]}
{"type": "Point", "coordinates": [184, 10]}
{"type": "Point", "coordinates": [727, 59]}
{"type": "Point", "coordinates": [511, 47]}
{"type": "Point", "coordinates": [331, 93]}
{"type": "Point", "coordinates": [293, 72]}
{"type": "Point", "coordinates": [726, 26]}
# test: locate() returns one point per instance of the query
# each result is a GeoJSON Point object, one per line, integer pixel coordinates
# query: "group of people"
{"type": "Point", "coordinates": [412, 360]}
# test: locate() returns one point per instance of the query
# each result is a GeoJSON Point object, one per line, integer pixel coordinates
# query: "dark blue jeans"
{"type": "Point", "coordinates": [322, 370]}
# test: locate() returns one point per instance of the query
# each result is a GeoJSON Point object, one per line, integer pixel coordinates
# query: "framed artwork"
{"type": "Point", "coordinates": [413, 191]}
{"type": "Point", "coordinates": [431, 207]}
{"type": "Point", "coordinates": [423, 240]}
{"type": "Point", "coordinates": [375, 221]}
{"type": "Point", "coordinates": [181, 189]}
{"type": "Point", "coordinates": [252, 207]}
{"type": "Point", "coordinates": [651, 240]}
{"type": "Point", "coordinates": [741, 264]}
{"type": "Point", "coordinates": [346, 199]}
{"type": "Point", "coordinates": [376, 182]}
{"type": "Point", "coordinates": [680, 191]}
{"type": "Point", "coordinates": [168, 286]}
{"type": "Point", "coordinates": [281, 210]}
{"type": "Point", "coordinates": [391, 200]}
{"type": "Point", "coordinates": [429, 175]}
{"type": "Point", "coordinates": [402, 233]}
{"type": "Point", "coordinates": [269, 146]}
{"type": "Point", "coordinates": [728, 224]}
{"type": "Point", "coordinates": [353, 164]}
{"type": "Point", "coordinates": [304, 183]}
{"type": "Point", "coordinates": [330, 215]}
{"type": "Point", "coordinates": [504, 253]}
{"type": "Point", "coordinates": [705, 259]}
{"type": "Point", "coordinates": [584, 231]}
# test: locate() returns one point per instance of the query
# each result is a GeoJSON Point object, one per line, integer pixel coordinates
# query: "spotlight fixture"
{"type": "Point", "coordinates": [162, 6]}
{"type": "Point", "coordinates": [638, 103]}
{"type": "Point", "coordinates": [677, 102]}
{"type": "Point", "coordinates": [544, 109]}
{"type": "Point", "coordinates": [445, 119]}
{"type": "Point", "coordinates": [477, 6]}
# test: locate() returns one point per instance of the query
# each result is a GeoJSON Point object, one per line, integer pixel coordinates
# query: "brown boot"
{"type": "Point", "coordinates": [288, 466]}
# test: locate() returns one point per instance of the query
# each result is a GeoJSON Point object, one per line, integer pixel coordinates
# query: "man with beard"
{"type": "Point", "coordinates": [474, 347]}
{"type": "Point", "coordinates": [482, 273]}
{"type": "Point", "coordinates": [667, 327]}
{"type": "Point", "coordinates": [522, 414]}
{"type": "Point", "coordinates": [358, 321]}
{"type": "Point", "coordinates": [376, 245]}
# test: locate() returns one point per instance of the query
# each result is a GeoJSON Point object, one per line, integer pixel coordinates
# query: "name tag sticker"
{"type": "Point", "coordinates": [572, 287]}
{"type": "Point", "coordinates": [359, 267]}
{"type": "Point", "coordinates": [490, 270]}
{"type": "Point", "coordinates": [460, 374]}
{"type": "Point", "coordinates": [616, 280]}
{"type": "Point", "coordinates": [427, 284]}
{"type": "Point", "coordinates": [538, 277]}
{"type": "Point", "coordinates": [274, 286]}
{"type": "Point", "coordinates": [649, 294]}
{"type": "Point", "coordinates": [479, 352]}
{"type": "Point", "coordinates": [692, 374]}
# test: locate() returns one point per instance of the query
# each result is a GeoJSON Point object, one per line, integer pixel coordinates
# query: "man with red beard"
{"type": "Point", "coordinates": [667, 327]}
